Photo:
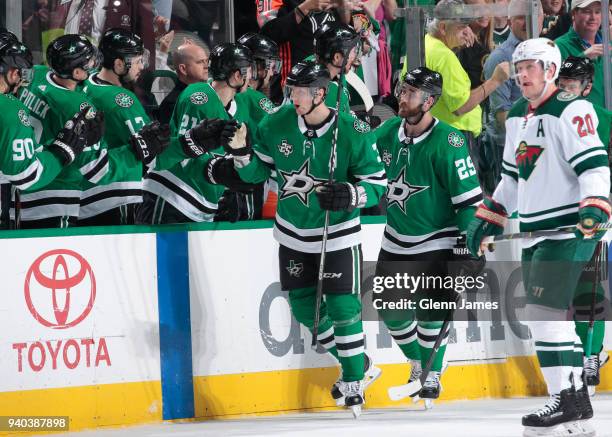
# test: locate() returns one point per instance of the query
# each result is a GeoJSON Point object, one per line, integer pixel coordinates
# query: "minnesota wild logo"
{"type": "Point", "coordinates": [526, 158]}
{"type": "Point", "coordinates": [124, 100]}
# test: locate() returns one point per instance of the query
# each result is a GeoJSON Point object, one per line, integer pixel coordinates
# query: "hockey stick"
{"type": "Point", "coordinates": [536, 234]}
{"type": "Point", "coordinates": [412, 388]}
{"type": "Point", "coordinates": [332, 168]}
{"type": "Point", "coordinates": [589, 341]}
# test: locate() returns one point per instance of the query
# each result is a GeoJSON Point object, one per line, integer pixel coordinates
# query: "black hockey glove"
{"type": "Point", "coordinates": [94, 127]}
{"type": "Point", "coordinates": [150, 141]}
{"type": "Point", "coordinates": [463, 262]}
{"type": "Point", "coordinates": [221, 171]}
{"type": "Point", "coordinates": [338, 196]}
{"type": "Point", "coordinates": [208, 135]}
{"type": "Point", "coordinates": [71, 140]}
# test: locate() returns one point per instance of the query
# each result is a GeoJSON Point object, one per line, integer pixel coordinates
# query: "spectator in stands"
{"type": "Point", "coordinates": [191, 65]}
{"type": "Point", "coordinates": [501, 27]}
{"type": "Point", "coordinates": [584, 39]}
{"type": "Point", "coordinates": [458, 105]}
{"type": "Point", "coordinates": [292, 25]}
{"type": "Point", "coordinates": [502, 99]}
{"type": "Point", "coordinates": [473, 57]}
{"type": "Point", "coordinates": [556, 19]}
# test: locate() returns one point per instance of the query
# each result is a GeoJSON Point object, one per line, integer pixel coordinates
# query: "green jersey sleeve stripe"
{"type": "Point", "coordinates": [265, 158]}
{"type": "Point", "coordinates": [96, 169]}
{"type": "Point", "coordinates": [510, 174]}
{"type": "Point", "coordinates": [588, 152]}
{"type": "Point", "coordinates": [504, 162]}
{"type": "Point", "coordinates": [599, 160]}
{"type": "Point", "coordinates": [460, 198]}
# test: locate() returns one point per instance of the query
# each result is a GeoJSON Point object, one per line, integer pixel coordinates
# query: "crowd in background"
{"type": "Point", "coordinates": [471, 54]}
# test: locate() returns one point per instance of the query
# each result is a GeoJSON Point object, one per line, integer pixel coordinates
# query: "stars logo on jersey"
{"type": "Point", "coordinates": [526, 158]}
{"type": "Point", "coordinates": [295, 269]}
{"type": "Point", "coordinates": [198, 98]}
{"type": "Point", "coordinates": [386, 157]}
{"type": "Point", "coordinates": [124, 100]}
{"type": "Point", "coordinates": [299, 183]}
{"type": "Point", "coordinates": [23, 118]}
{"type": "Point", "coordinates": [285, 148]}
{"type": "Point", "coordinates": [399, 191]}
{"type": "Point", "coordinates": [267, 105]}
{"type": "Point", "coordinates": [455, 140]}
{"type": "Point", "coordinates": [83, 106]}
{"type": "Point", "coordinates": [361, 126]}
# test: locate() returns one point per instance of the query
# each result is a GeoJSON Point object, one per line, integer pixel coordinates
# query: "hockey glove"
{"type": "Point", "coordinates": [463, 263]}
{"type": "Point", "coordinates": [340, 196]}
{"type": "Point", "coordinates": [94, 127]}
{"type": "Point", "coordinates": [489, 219]}
{"type": "Point", "coordinates": [71, 140]}
{"type": "Point", "coordinates": [593, 212]}
{"type": "Point", "coordinates": [221, 171]}
{"type": "Point", "coordinates": [208, 135]}
{"type": "Point", "coordinates": [150, 141]}
{"type": "Point", "coordinates": [239, 145]}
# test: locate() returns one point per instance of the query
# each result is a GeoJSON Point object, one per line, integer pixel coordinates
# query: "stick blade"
{"type": "Point", "coordinates": [400, 392]}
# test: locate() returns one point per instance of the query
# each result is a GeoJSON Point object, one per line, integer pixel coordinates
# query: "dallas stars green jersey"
{"type": "Point", "coordinates": [50, 106]}
{"type": "Point", "coordinates": [183, 185]}
{"type": "Point", "coordinates": [553, 158]}
{"type": "Point", "coordinates": [256, 102]}
{"type": "Point", "coordinates": [432, 187]}
{"type": "Point", "coordinates": [123, 116]}
{"type": "Point", "coordinates": [20, 163]}
{"type": "Point", "coordinates": [331, 99]}
{"type": "Point", "coordinates": [300, 158]}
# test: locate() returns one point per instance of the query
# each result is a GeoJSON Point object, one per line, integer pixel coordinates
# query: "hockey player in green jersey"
{"type": "Point", "coordinates": [22, 162]}
{"type": "Point", "coordinates": [576, 77]}
{"type": "Point", "coordinates": [267, 60]}
{"type": "Point", "coordinates": [124, 59]}
{"type": "Point", "coordinates": [332, 42]}
{"type": "Point", "coordinates": [431, 196]}
{"type": "Point", "coordinates": [51, 103]}
{"type": "Point", "coordinates": [295, 144]}
{"type": "Point", "coordinates": [190, 191]}
{"type": "Point", "coordinates": [554, 174]}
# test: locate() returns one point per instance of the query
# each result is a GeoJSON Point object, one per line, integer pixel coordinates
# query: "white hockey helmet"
{"type": "Point", "coordinates": [539, 49]}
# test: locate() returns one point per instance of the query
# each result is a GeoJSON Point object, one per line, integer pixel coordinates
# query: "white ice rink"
{"type": "Point", "coordinates": [486, 418]}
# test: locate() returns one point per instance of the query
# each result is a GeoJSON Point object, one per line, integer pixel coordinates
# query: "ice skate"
{"type": "Point", "coordinates": [431, 389]}
{"type": "Point", "coordinates": [558, 417]}
{"type": "Point", "coordinates": [371, 374]}
{"type": "Point", "coordinates": [353, 396]}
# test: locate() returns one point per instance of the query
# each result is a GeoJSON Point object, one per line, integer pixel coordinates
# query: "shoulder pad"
{"type": "Point", "coordinates": [198, 98]}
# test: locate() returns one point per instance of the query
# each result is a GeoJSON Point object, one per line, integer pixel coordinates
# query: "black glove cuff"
{"type": "Point", "coordinates": [63, 152]}
{"type": "Point", "coordinates": [190, 148]}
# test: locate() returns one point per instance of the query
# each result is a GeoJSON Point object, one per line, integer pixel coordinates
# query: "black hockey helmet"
{"type": "Point", "coordinates": [577, 68]}
{"type": "Point", "coordinates": [334, 38]}
{"type": "Point", "coordinates": [261, 46]}
{"type": "Point", "coordinates": [71, 51]}
{"type": "Point", "coordinates": [424, 79]}
{"type": "Point", "coordinates": [7, 35]}
{"type": "Point", "coordinates": [14, 54]}
{"type": "Point", "coordinates": [227, 58]}
{"type": "Point", "coordinates": [308, 74]}
{"type": "Point", "coordinates": [120, 44]}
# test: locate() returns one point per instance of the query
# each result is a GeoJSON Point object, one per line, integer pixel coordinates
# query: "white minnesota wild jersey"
{"type": "Point", "coordinates": [553, 158]}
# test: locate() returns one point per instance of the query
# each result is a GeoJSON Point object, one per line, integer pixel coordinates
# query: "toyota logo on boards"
{"type": "Point", "coordinates": [60, 289]}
